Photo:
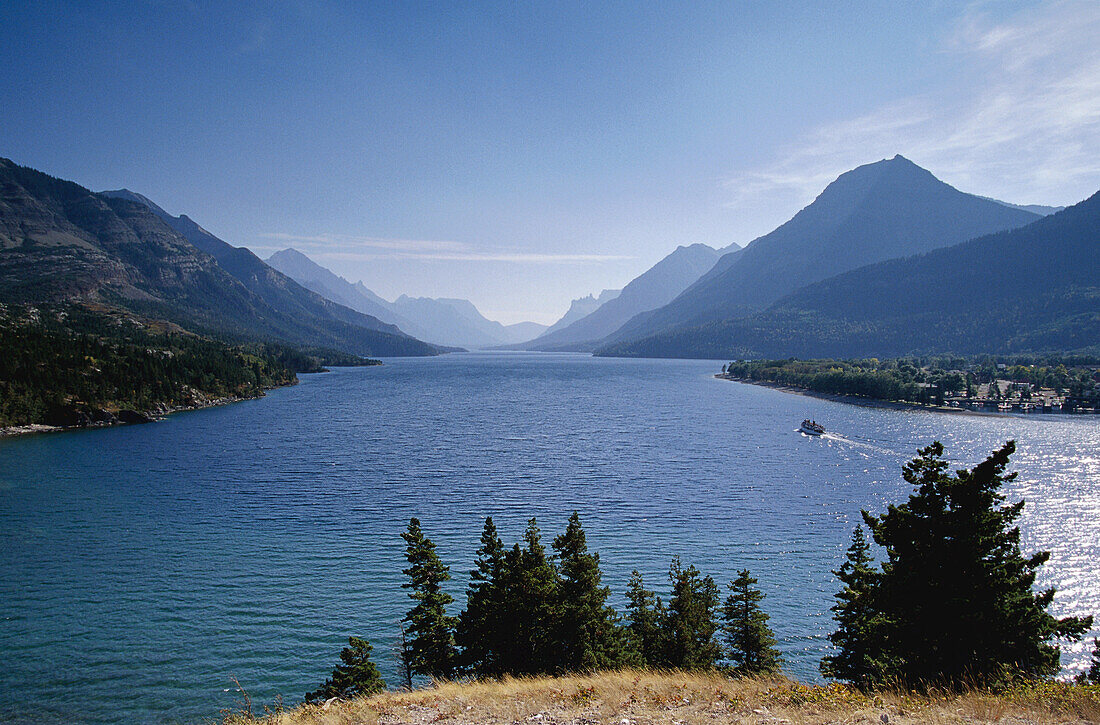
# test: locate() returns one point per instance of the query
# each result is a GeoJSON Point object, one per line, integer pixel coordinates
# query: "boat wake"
{"type": "Point", "coordinates": [869, 444]}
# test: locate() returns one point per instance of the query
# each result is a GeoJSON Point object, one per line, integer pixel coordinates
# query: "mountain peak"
{"type": "Point", "coordinates": [137, 199]}
{"type": "Point", "coordinates": [290, 253]}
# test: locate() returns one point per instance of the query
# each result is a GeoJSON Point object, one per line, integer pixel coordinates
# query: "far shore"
{"type": "Point", "coordinates": [151, 416]}
{"type": "Point", "coordinates": [869, 402]}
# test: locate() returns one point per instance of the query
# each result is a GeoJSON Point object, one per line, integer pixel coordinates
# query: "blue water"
{"type": "Point", "coordinates": [142, 567]}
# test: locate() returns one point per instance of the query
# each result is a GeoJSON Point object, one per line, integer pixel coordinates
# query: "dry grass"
{"type": "Point", "coordinates": [676, 698]}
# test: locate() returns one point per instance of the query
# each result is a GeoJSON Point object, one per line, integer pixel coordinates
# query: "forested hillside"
{"type": "Point", "coordinates": [73, 365]}
{"type": "Point", "coordinates": [59, 242]}
{"type": "Point", "coordinates": [1032, 289]}
{"type": "Point", "coordinates": [878, 211]}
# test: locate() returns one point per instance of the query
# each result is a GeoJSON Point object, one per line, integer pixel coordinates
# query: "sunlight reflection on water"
{"type": "Point", "coordinates": [251, 540]}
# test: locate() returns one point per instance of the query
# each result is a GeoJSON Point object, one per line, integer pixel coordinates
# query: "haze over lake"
{"type": "Point", "coordinates": [143, 566]}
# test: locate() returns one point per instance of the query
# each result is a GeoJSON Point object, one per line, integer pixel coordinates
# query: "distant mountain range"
{"type": "Point", "coordinates": [61, 243]}
{"type": "Point", "coordinates": [655, 287]}
{"type": "Point", "coordinates": [582, 307]}
{"type": "Point", "coordinates": [888, 260]}
{"type": "Point", "coordinates": [1029, 289]}
{"type": "Point", "coordinates": [443, 321]}
{"type": "Point", "coordinates": [875, 212]}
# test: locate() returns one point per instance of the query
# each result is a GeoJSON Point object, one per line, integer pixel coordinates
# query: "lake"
{"type": "Point", "coordinates": [142, 567]}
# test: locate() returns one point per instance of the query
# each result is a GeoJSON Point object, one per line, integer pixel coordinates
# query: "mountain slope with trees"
{"type": "Point", "coordinates": [60, 242]}
{"type": "Point", "coordinates": [1031, 289]}
{"type": "Point", "coordinates": [878, 211]}
{"type": "Point", "coordinates": [275, 288]}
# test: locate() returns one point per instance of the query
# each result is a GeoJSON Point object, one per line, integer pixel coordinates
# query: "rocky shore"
{"type": "Point", "coordinates": [84, 417]}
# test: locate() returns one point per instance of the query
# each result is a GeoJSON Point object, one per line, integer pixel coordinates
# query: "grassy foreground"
{"type": "Point", "coordinates": [634, 698]}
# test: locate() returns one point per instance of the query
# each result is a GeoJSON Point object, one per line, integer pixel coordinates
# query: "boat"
{"type": "Point", "coordinates": [812, 428]}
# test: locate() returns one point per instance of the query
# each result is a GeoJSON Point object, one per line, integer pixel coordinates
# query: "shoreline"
{"type": "Point", "coordinates": [866, 402]}
{"type": "Point", "coordinates": [129, 416]}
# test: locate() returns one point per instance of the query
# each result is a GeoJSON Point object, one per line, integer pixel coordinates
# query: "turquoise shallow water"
{"type": "Point", "coordinates": [142, 567]}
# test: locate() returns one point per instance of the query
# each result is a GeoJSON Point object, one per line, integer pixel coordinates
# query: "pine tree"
{"type": "Point", "coordinates": [645, 623]}
{"type": "Point", "coordinates": [751, 643]}
{"type": "Point", "coordinates": [690, 622]}
{"type": "Point", "coordinates": [589, 637]}
{"type": "Point", "coordinates": [355, 676]}
{"type": "Point", "coordinates": [431, 647]}
{"type": "Point", "coordinates": [528, 616]}
{"type": "Point", "coordinates": [954, 598]}
{"type": "Point", "coordinates": [859, 638]}
{"type": "Point", "coordinates": [404, 660]}
{"type": "Point", "coordinates": [1092, 677]}
{"type": "Point", "coordinates": [478, 631]}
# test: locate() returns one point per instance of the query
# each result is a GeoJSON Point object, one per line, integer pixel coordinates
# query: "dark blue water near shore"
{"type": "Point", "coordinates": [142, 567]}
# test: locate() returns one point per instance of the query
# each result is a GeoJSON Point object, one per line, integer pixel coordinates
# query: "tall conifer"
{"type": "Point", "coordinates": [645, 615]}
{"type": "Point", "coordinates": [690, 622]}
{"type": "Point", "coordinates": [861, 626]}
{"type": "Point", "coordinates": [528, 608]}
{"type": "Point", "coordinates": [431, 647]}
{"type": "Point", "coordinates": [479, 625]}
{"type": "Point", "coordinates": [589, 637]}
{"type": "Point", "coordinates": [750, 642]}
{"type": "Point", "coordinates": [954, 602]}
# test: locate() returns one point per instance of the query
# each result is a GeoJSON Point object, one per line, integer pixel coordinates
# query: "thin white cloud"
{"type": "Point", "coordinates": [347, 248]}
{"type": "Point", "coordinates": [1022, 124]}
{"type": "Point", "coordinates": [513, 257]}
{"type": "Point", "coordinates": [344, 241]}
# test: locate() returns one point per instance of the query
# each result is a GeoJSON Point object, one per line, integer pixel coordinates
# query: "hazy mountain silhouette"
{"type": "Point", "coordinates": [582, 307]}
{"type": "Point", "coordinates": [1030, 289]}
{"type": "Point", "coordinates": [875, 212]}
{"type": "Point", "coordinates": [655, 287]}
{"type": "Point", "coordinates": [450, 322]}
{"type": "Point", "coordinates": [60, 242]}
{"type": "Point", "coordinates": [328, 284]}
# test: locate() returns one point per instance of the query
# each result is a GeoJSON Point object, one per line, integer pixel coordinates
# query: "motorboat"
{"type": "Point", "coordinates": [812, 428]}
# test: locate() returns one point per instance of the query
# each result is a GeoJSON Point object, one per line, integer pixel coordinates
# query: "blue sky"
{"type": "Point", "coordinates": [522, 154]}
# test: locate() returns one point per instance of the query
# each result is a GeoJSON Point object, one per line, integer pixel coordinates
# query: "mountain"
{"type": "Point", "coordinates": [60, 242]}
{"type": "Point", "coordinates": [328, 284]}
{"type": "Point", "coordinates": [450, 322]}
{"type": "Point", "coordinates": [1030, 289]}
{"type": "Point", "coordinates": [875, 212]}
{"type": "Point", "coordinates": [279, 290]}
{"type": "Point", "coordinates": [582, 307]}
{"type": "Point", "coordinates": [1040, 209]}
{"type": "Point", "coordinates": [523, 331]}
{"type": "Point", "coordinates": [655, 287]}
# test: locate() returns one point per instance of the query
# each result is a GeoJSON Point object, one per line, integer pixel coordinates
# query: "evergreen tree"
{"type": "Point", "coordinates": [528, 614]}
{"type": "Point", "coordinates": [859, 638]}
{"type": "Point", "coordinates": [751, 643]}
{"type": "Point", "coordinates": [645, 623]}
{"type": "Point", "coordinates": [1092, 677]}
{"type": "Point", "coordinates": [589, 637]}
{"type": "Point", "coordinates": [478, 631]}
{"type": "Point", "coordinates": [954, 600]}
{"type": "Point", "coordinates": [355, 676]}
{"type": "Point", "coordinates": [690, 622]}
{"type": "Point", "coordinates": [431, 647]}
{"type": "Point", "coordinates": [404, 660]}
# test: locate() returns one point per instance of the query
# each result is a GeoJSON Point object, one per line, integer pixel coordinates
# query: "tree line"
{"type": "Point", "coordinates": [58, 361]}
{"type": "Point", "coordinates": [950, 601]}
{"type": "Point", "coordinates": [916, 380]}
